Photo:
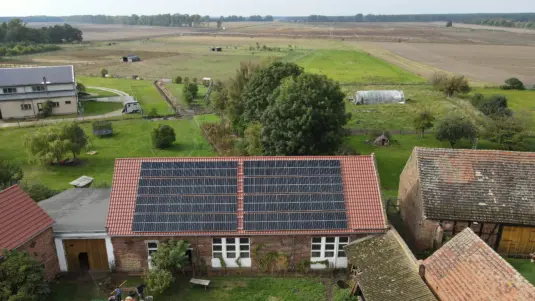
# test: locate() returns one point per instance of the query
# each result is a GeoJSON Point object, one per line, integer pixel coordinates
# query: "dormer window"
{"type": "Point", "coordinates": [38, 88]}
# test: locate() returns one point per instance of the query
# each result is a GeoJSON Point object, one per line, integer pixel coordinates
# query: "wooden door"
{"type": "Point", "coordinates": [517, 241]}
{"type": "Point", "coordinates": [95, 250]}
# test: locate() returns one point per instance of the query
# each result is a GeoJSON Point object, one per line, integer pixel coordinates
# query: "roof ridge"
{"type": "Point", "coordinates": [10, 187]}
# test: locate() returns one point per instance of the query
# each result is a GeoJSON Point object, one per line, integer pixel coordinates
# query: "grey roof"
{"type": "Point", "coordinates": [387, 270]}
{"type": "Point", "coordinates": [34, 75]}
{"type": "Point", "coordinates": [79, 209]}
{"type": "Point", "coordinates": [477, 185]}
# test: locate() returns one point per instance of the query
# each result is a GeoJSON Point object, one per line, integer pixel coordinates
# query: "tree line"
{"type": "Point", "coordinates": [16, 31]}
{"type": "Point", "coordinates": [465, 18]}
{"type": "Point", "coordinates": [504, 23]}
{"type": "Point", "coordinates": [168, 20]}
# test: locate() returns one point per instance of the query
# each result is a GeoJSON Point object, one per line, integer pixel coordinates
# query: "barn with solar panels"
{"type": "Point", "coordinates": [306, 207]}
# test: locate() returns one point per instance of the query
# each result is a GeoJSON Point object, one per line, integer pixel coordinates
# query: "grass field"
{"type": "Point", "coordinates": [100, 93]}
{"type": "Point", "coordinates": [221, 289]}
{"type": "Point", "coordinates": [354, 66]}
{"type": "Point", "coordinates": [177, 91]}
{"type": "Point", "coordinates": [131, 139]}
{"type": "Point", "coordinates": [143, 90]}
{"type": "Point", "coordinates": [98, 108]}
{"type": "Point", "coordinates": [525, 267]}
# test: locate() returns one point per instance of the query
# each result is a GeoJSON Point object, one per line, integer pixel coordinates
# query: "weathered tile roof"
{"type": "Point", "coordinates": [20, 218]}
{"type": "Point", "coordinates": [362, 194]}
{"type": "Point", "coordinates": [477, 185]}
{"type": "Point", "coordinates": [466, 268]}
{"type": "Point", "coordinates": [387, 269]}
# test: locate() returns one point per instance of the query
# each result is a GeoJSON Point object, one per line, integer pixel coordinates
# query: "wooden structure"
{"type": "Point", "coordinates": [82, 182]}
{"type": "Point", "coordinates": [202, 282]}
{"type": "Point", "coordinates": [86, 254]}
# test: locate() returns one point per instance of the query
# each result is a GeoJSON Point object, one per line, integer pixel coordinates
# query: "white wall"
{"type": "Point", "coordinates": [60, 87]}
{"type": "Point", "coordinates": [12, 109]}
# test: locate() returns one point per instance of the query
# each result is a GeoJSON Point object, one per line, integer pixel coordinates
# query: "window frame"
{"type": "Point", "coordinates": [25, 106]}
{"type": "Point", "coordinates": [68, 102]}
{"type": "Point", "coordinates": [234, 246]}
{"type": "Point", "coordinates": [38, 88]}
{"type": "Point", "coordinates": [9, 90]}
{"type": "Point", "coordinates": [329, 248]}
{"type": "Point", "coordinates": [149, 249]}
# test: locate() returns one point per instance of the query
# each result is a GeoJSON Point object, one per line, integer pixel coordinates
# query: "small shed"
{"type": "Point", "coordinates": [379, 97]}
{"type": "Point", "coordinates": [218, 49]}
{"type": "Point", "coordinates": [131, 58]}
{"type": "Point", "coordinates": [82, 182]}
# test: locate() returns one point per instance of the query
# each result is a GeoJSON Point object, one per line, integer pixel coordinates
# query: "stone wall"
{"type": "Point", "coordinates": [131, 253]}
{"type": "Point", "coordinates": [43, 249]}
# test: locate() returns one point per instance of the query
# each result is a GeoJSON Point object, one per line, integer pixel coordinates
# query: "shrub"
{"type": "Point", "coordinates": [39, 192]}
{"type": "Point", "coordinates": [22, 278]}
{"type": "Point", "coordinates": [10, 173]}
{"type": "Point", "coordinates": [163, 136]}
{"type": "Point", "coordinates": [152, 113]}
{"type": "Point", "coordinates": [103, 72]}
{"type": "Point", "coordinates": [194, 80]}
{"type": "Point", "coordinates": [493, 106]}
{"type": "Point", "coordinates": [449, 24]}
{"type": "Point", "coordinates": [450, 85]}
{"type": "Point", "coordinates": [188, 97]}
{"type": "Point", "coordinates": [177, 80]}
{"type": "Point", "coordinates": [158, 280]}
{"type": "Point", "coordinates": [193, 88]}
{"type": "Point", "coordinates": [170, 256]}
{"type": "Point", "coordinates": [513, 84]}
{"type": "Point", "coordinates": [48, 106]}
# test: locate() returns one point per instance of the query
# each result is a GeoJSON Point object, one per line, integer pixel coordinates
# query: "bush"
{"type": "Point", "coordinates": [177, 80]}
{"type": "Point", "coordinates": [194, 80]}
{"type": "Point", "coordinates": [163, 136]}
{"type": "Point", "coordinates": [103, 72]}
{"type": "Point", "coordinates": [152, 113]}
{"type": "Point", "coordinates": [22, 278]}
{"type": "Point", "coordinates": [158, 280]}
{"type": "Point", "coordinates": [493, 106]}
{"type": "Point", "coordinates": [193, 89]}
{"type": "Point", "coordinates": [450, 85]}
{"type": "Point", "coordinates": [39, 192]}
{"type": "Point", "coordinates": [47, 108]}
{"type": "Point", "coordinates": [188, 97]}
{"type": "Point", "coordinates": [513, 84]}
{"type": "Point", "coordinates": [10, 173]}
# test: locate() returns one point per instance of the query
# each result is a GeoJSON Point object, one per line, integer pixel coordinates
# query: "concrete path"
{"type": "Point", "coordinates": [122, 96]}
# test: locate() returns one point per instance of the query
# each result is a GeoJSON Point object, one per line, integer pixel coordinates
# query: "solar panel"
{"type": "Point", "coordinates": [187, 196]}
{"type": "Point", "coordinates": [293, 195]}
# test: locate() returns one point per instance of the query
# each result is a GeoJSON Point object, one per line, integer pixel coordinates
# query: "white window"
{"type": "Point", "coordinates": [38, 88]}
{"type": "Point", "coordinates": [9, 90]}
{"type": "Point", "coordinates": [330, 249]}
{"type": "Point", "coordinates": [25, 106]}
{"type": "Point", "coordinates": [231, 250]}
{"type": "Point", "coordinates": [152, 246]}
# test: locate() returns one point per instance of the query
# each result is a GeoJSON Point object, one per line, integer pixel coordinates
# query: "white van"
{"type": "Point", "coordinates": [131, 107]}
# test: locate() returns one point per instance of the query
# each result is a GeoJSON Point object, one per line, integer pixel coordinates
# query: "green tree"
{"type": "Point", "coordinates": [103, 72]}
{"type": "Point", "coordinates": [261, 85]}
{"type": "Point", "coordinates": [188, 97]}
{"type": "Point", "coordinates": [306, 118]}
{"type": "Point", "coordinates": [235, 87]}
{"type": "Point", "coordinates": [21, 278]}
{"type": "Point", "coordinates": [219, 24]}
{"type": "Point", "coordinates": [493, 106]}
{"type": "Point", "coordinates": [10, 173]}
{"type": "Point", "coordinates": [76, 135]}
{"type": "Point", "coordinates": [178, 80]}
{"type": "Point", "coordinates": [450, 85]}
{"type": "Point", "coordinates": [158, 280]}
{"type": "Point", "coordinates": [47, 108]}
{"type": "Point", "coordinates": [39, 192]}
{"type": "Point", "coordinates": [46, 145]}
{"type": "Point", "coordinates": [193, 88]}
{"type": "Point", "coordinates": [454, 128]}
{"type": "Point", "coordinates": [449, 24]}
{"type": "Point", "coordinates": [253, 144]}
{"type": "Point", "coordinates": [509, 132]}
{"type": "Point", "coordinates": [163, 136]}
{"type": "Point", "coordinates": [423, 121]}
{"type": "Point", "coordinates": [170, 256]}
{"type": "Point", "coordinates": [80, 88]}
{"type": "Point", "coordinates": [219, 97]}
{"type": "Point", "coordinates": [513, 84]}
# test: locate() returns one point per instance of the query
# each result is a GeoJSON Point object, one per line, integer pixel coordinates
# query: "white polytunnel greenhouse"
{"type": "Point", "coordinates": [379, 97]}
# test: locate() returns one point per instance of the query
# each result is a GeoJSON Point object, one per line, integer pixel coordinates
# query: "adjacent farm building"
{"type": "Point", "coordinates": [24, 91]}
{"type": "Point", "coordinates": [26, 227]}
{"type": "Point", "coordinates": [233, 208]}
{"type": "Point", "coordinates": [444, 191]}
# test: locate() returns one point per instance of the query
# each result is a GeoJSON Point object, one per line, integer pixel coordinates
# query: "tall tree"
{"type": "Point", "coordinates": [76, 135]}
{"type": "Point", "coordinates": [454, 128]}
{"type": "Point", "coordinates": [10, 173]}
{"type": "Point", "coordinates": [423, 121]}
{"type": "Point", "coordinates": [235, 87]}
{"type": "Point", "coordinates": [21, 278]}
{"type": "Point", "coordinates": [508, 132]}
{"type": "Point", "coordinates": [306, 118]}
{"type": "Point", "coordinates": [261, 85]}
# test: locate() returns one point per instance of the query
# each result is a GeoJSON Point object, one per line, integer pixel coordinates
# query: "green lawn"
{"type": "Point", "coordinates": [131, 139]}
{"type": "Point", "coordinates": [356, 66]}
{"type": "Point", "coordinates": [97, 108]}
{"type": "Point", "coordinates": [221, 289]}
{"type": "Point", "coordinates": [525, 267]}
{"type": "Point", "coordinates": [100, 93]}
{"type": "Point", "coordinates": [143, 90]}
{"type": "Point", "coordinates": [177, 89]}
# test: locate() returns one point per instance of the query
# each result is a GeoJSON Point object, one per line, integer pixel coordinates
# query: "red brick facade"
{"type": "Point", "coordinates": [43, 249]}
{"type": "Point", "coordinates": [131, 253]}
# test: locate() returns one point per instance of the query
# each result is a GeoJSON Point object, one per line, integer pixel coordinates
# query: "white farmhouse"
{"type": "Point", "coordinates": [23, 91]}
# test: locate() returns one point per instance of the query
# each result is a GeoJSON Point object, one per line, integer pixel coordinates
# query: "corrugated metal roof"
{"type": "Point", "coordinates": [34, 75]}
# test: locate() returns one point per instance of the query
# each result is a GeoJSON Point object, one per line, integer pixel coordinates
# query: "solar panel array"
{"type": "Point", "coordinates": [293, 195]}
{"type": "Point", "coordinates": [187, 196]}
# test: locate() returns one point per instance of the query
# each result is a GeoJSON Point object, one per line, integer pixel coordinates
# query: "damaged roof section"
{"type": "Point", "coordinates": [387, 269]}
{"type": "Point", "coordinates": [477, 185]}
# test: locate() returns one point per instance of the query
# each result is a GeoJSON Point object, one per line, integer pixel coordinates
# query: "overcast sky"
{"type": "Point", "coordinates": [257, 7]}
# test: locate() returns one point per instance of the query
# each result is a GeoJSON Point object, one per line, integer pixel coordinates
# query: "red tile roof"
{"type": "Point", "coordinates": [466, 268]}
{"type": "Point", "coordinates": [20, 218]}
{"type": "Point", "coordinates": [365, 212]}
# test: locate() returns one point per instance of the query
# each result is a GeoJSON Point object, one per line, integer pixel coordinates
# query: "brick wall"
{"type": "Point", "coordinates": [422, 232]}
{"type": "Point", "coordinates": [43, 249]}
{"type": "Point", "coordinates": [131, 252]}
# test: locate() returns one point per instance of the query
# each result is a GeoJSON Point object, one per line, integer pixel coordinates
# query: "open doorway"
{"type": "Point", "coordinates": [83, 261]}
{"type": "Point", "coordinates": [189, 253]}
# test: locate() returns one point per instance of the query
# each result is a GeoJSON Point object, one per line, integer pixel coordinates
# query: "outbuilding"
{"type": "Point", "coordinates": [80, 236]}
{"type": "Point", "coordinates": [379, 97]}
{"type": "Point", "coordinates": [131, 58]}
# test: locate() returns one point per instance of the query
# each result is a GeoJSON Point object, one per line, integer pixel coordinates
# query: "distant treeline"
{"type": "Point", "coordinates": [12, 49]}
{"type": "Point", "coordinates": [464, 18]}
{"type": "Point", "coordinates": [170, 20]}
{"type": "Point", "coordinates": [504, 23]}
{"type": "Point", "coordinates": [16, 31]}
{"type": "Point", "coordinates": [33, 19]}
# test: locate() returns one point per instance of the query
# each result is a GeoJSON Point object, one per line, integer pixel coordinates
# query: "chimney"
{"type": "Point", "coordinates": [421, 270]}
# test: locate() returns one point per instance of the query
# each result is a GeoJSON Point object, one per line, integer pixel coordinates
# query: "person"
{"type": "Point", "coordinates": [118, 294]}
{"type": "Point", "coordinates": [140, 289]}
